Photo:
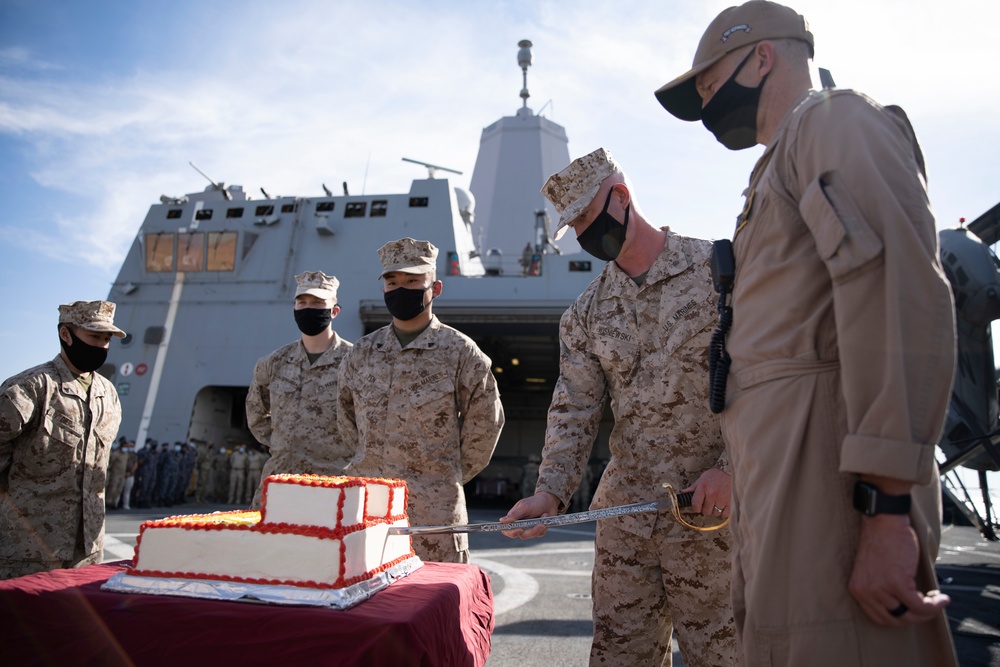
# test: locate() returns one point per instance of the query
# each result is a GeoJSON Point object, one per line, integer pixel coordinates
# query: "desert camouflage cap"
{"type": "Point", "coordinates": [91, 315]}
{"type": "Point", "coordinates": [409, 256]}
{"type": "Point", "coordinates": [573, 188]}
{"type": "Point", "coordinates": [318, 284]}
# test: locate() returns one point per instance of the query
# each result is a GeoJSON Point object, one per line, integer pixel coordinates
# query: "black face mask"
{"type": "Point", "coordinates": [404, 303]}
{"type": "Point", "coordinates": [84, 357]}
{"type": "Point", "coordinates": [312, 321]}
{"type": "Point", "coordinates": [731, 114]}
{"type": "Point", "coordinates": [605, 236]}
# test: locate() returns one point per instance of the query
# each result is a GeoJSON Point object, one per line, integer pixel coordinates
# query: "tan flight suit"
{"type": "Point", "coordinates": [429, 414]}
{"type": "Point", "coordinates": [55, 441]}
{"type": "Point", "coordinates": [292, 410]}
{"type": "Point", "coordinates": [237, 476]}
{"type": "Point", "coordinates": [646, 348]}
{"type": "Point", "coordinates": [842, 350]}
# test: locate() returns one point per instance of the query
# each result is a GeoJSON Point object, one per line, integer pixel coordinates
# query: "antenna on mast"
{"type": "Point", "coordinates": [431, 168]}
{"type": "Point", "coordinates": [524, 60]}
{"type": "Point", "coordinates": [221, 187]}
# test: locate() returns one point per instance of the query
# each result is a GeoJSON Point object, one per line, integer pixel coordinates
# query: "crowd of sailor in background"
{"type": "Point", "coordinates": [164, 474]}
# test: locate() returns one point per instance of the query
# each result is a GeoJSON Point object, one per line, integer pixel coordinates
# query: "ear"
{"type": "Point", "coordinates": [766, 57]}
{"type": "Point", "coordinates": [64, 334]}
{"type": "Point", "coordinates": [622, 195]}
{"type": "Point", "coordinates": [437, 287]}
{"type": "Point", "coordinates": [335, 311]}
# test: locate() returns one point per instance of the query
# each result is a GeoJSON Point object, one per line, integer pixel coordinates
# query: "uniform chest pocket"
{"type": "Point", "coordinates": [61, 429]}
{"type": "Point", "coordinates": [618, 355]}
{"type": "Point", "coordinates": [437, 391]}
{"type": "Point", "coordinates": [281, 387]}
{"type": "Point", "coordinates": [682, 326]}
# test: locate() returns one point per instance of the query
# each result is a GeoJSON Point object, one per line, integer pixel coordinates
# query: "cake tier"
{"type": "Point", "coordinates": [336, 548]}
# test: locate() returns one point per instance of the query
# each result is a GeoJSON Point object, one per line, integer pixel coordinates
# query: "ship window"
{"type": "Point", "coordinates": [191, 252]}
{"type": "Point", "coordinates": [234, 212]}
{"type": "Point", "coordinates": [324, 206]}
{"type": "Point", "coordinates": [203, 214]}
{"type": "Point", "coordinates": [418, 202]}
{"type": "Point", "coordinates": [154, 335]}
{"type": "Point", "coordinates": [355, 209]}
{"type": "Point", "coordinates": [159, 252]}
{"type": "Point", "coordinates": [266, 209]}
{"type": "Point", "coordinates": [174, 214]}
{"type": "Point", "coordinates": [249, 238]}
{"type": "Point", "coordinates": [379, 207]}
{"type": "Point", "coordinates": [288, 208]}
{"type": "Point", "coordinates": [221, 251]}
{"type": "Point", "coordinates": [579, 265]}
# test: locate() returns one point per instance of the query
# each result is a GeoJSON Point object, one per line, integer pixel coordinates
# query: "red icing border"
{"type": "Point", "coordinates": [340, 583]}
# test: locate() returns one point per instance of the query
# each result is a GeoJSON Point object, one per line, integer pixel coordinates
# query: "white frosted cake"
{"type": "Point", "coordinates": [312, 531]}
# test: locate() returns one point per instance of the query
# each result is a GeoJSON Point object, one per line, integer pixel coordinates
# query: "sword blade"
{"type": "Point", "coordinates": [683, 500]}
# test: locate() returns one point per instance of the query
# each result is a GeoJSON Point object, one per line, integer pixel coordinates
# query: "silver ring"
{"type": "Point", "coordinates": [717, 509]}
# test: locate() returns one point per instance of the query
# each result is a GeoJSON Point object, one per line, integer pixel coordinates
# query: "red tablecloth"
{"type": "Point", "coordinates": [441, 614]}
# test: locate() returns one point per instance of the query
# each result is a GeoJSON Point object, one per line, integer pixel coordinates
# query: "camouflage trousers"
{"type": "Point", "coordinates": [439, 549]}
{"type": "Point", "coordinates": [646, 588]}
{"type": "Point", "coordinates": [10, 569]}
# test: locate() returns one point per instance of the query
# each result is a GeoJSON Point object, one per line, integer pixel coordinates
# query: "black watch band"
{"type": "Point", "coordinates": [870, 501]}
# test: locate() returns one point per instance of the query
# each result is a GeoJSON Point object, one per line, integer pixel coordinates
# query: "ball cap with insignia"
{"type": "Point", "coordinates": [734, 28]}
{"type": "Point", "coordinates": [317, 284]}
{"type": "Point", "coordinates": [91, 315]}
{"type": "Point", "coordinates": [408, 256]}
{"type": "Point", "coordinates": [573, 188]}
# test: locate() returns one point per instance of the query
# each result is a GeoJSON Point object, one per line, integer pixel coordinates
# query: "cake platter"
{"type": "Point", "coordinates": [209, 589]}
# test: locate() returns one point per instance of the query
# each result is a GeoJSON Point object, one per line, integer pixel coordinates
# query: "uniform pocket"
{"type": "Point", "coordinates": [60, 429]}
{"type": "Point", "coordinates": [844, 240]}
{"type": "Point", "coordinates": [435, 390]}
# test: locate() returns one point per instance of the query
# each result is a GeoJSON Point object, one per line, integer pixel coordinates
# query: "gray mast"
{"type": "Point", "coordinates": [516, 154]}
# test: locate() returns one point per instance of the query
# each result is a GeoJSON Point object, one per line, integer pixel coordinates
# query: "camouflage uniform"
{"type": "Point", "coordinates": [116, 476]}
{"type": "Point", "coordinates": [255, 469]}
{"type": "Point", "coordinates": [292, 409]}
{"type": "Point", "coordinates": [55, 442]}
{"type": "Point", "coordinates": [220, 470]}
{"type": "Point", "coordinates": [206, 479]}
{"type": "Point", "coordinates": [646, 348]}
{"type": "Point", "coordinates": [428, 413]}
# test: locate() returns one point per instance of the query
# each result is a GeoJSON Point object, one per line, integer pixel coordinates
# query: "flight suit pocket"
{"type": "Point", "coordinates": [844, 240]}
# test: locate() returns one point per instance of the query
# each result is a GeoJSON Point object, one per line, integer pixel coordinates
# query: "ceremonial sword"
{"type": "Point", "coordinates": [683, 500]}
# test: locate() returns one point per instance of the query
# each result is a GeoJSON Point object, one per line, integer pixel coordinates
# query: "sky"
{"type": "Point", "coordinates": [103, 104]}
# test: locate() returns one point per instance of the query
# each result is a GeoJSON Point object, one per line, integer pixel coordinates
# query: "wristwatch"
{"type": "Point", "coordinates": [870, 501]}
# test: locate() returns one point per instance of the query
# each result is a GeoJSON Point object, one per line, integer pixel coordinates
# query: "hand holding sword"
{"type": "Point", "coordinates": [709, 495]}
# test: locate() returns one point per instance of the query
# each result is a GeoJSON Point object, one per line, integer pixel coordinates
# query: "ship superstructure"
{"type": "Point", "coordinates": [207, 287]}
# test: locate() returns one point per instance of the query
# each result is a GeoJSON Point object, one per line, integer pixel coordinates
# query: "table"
{"type": "Point", "coordinates": [441, 614]}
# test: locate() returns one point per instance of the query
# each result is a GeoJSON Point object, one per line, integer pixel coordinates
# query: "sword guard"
{"type": "Point", "coordinates": [680, 500]}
